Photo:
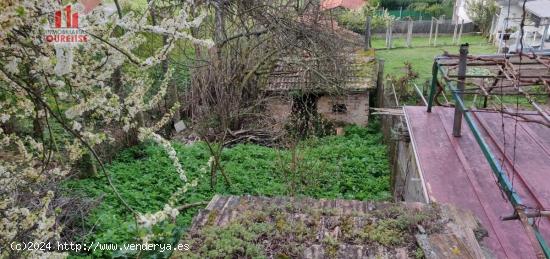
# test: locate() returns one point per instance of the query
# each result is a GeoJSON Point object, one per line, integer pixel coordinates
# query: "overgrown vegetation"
{"type": "Point", "coordinates": [404, 85]}
{"type": "Point", "coordinates": [355, 20]}
{"type": "Point", "coordinates": [482, 12]}
{"type": "Point", "coordinates": [431, 7]}
{"type": "Point", "coordinates": [353, 166]}
{"type": "Point", "coordinates": [422, 57]}
{"type": "Point", "coordinates": [400, 61]}
{"type": "Point", "coordinates": [408, 66]}
{"type": "Point", "coordinates": [381, 11]}
{"type": "Point", "coordinates": [435, 8]}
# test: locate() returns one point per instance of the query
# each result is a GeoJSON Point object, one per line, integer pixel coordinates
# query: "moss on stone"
{"type": "Point", "coordinates": [276, 232]}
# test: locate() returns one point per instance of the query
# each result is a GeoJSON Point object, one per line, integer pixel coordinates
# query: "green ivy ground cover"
{"type": "Point", "coordinates": [354, 166]}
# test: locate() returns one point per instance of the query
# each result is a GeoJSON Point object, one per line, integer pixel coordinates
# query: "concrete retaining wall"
{"type": "Point", "coordinates": [407, 184]}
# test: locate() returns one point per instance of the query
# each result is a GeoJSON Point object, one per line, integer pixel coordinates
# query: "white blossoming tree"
{"type": "Point", "coordinates": [60, 102]}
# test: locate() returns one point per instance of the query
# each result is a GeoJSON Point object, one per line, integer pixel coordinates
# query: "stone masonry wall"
{"type": "Point", "coordinates": [279, 108]}
{"type": "Point", "coordinates": [351, 108]}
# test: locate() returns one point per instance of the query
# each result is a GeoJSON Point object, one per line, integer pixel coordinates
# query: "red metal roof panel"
{"type": "Point", "coordinates": [456, 172]}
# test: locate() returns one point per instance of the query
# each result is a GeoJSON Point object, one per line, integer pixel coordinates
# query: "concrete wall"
{"type": "Point", "coordinates": [407, 182]}
{"type": "Point", "coordinates": [356, 108]}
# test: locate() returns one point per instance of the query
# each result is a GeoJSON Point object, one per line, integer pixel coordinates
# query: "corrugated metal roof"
{"type": "Point", "coordinates": [350, 4]}
{"type": "Point", "coordinates": [456, 172]}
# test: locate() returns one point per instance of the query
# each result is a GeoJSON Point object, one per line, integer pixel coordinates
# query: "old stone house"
{"type": "Point", "coordinates": [346, 102]}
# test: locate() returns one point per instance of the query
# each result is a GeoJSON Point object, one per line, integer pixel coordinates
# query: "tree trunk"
{"type": "Point", "coordinates": [172, 93]}
{"type": "Point", "coordinates": [219, 35]}
{"type": "Point", "coordinates": [38, 121]}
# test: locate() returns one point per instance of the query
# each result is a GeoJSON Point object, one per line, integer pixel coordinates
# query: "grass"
{"type": "Point", "coordinates": [422, 57]}
{"type": "Point", "coordinates": [353, 166]}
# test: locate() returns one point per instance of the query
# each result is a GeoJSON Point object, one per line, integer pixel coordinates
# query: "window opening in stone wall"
{"type": "Point", "coordinates": [339, 108]}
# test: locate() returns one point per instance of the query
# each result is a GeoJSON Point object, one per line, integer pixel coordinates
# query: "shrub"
{"type": "Point", "coordinates": [481, 12]}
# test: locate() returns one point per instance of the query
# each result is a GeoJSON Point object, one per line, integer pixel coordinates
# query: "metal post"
{"type": "Point", "coordinates": [517, 44]}
{"type": "Point", "coordinates": [460, 33]}
{"type": "Point", "coordinates": [387, 33]}
{"type": "Point", "coordinates": [380, 84]}
{"type": "Point", "coordinates": [435, 70]}
{"type": "Point", "coordinates": [493, 23]}
{"type": "Point", "coordinates": [498, 169]}
{"type": "Point", "coordinates": [455, 31]}
{"type": "Point", "coordinates": [419, 92]}
{"type": "Point", "coordinates": [462, 62]}
{"type": "Point", "coordinates": [431, 29]}
{"type": "Point", "coordinates": [436, 31]}
{"type": "Point", "coordinates": [391, 35]}
{"type": "Point", "coordinates": [409, 32]}
{"type": "Point", "coordinates": [544, 36]}
{"type": "Point", "coordinates": [501, 38]}
{"type": "Point", "coordinates": [495, 29]}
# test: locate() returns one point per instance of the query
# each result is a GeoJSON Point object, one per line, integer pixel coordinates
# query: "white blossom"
{"type": "Point", "coordinates": [76, 126]}
{"type": "Point", "coordinates": [12, 65]}
{"type": "Point", "coordinates": [77, 80]}
{"type": "Point", "coordinates": [4, 117]}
